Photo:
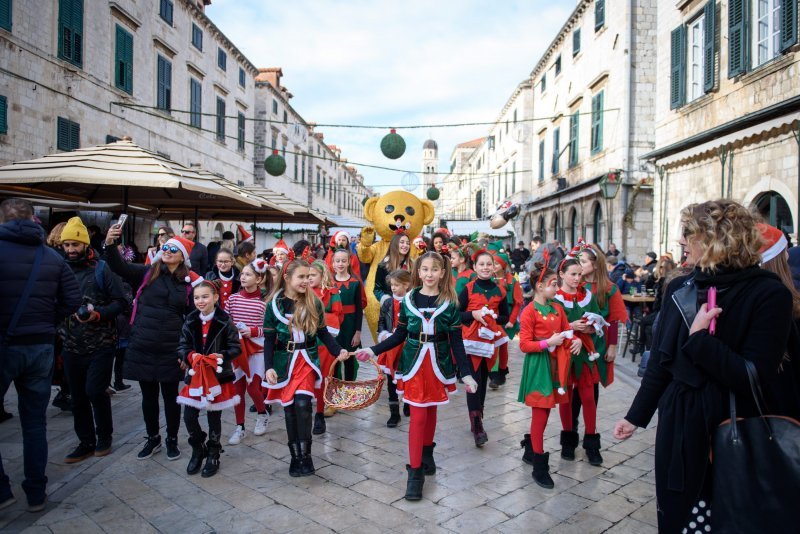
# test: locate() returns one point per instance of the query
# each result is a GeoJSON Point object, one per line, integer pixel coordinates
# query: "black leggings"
{"type": "Point", "coordinates": [191, 417]}
{"type": "Point", "coordinates": [476, 400]}
{"type": "Point", "coordinates": [391, 387]}
{"type": "Point", "coordinates": [350, 369]}
{"type": "Point", "coordinates": [172, 410]}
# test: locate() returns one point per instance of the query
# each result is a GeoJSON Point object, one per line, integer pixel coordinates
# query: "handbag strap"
{"type": "Point", "coordinates": [26, 293]}
{"type": "Point", "coordinates": [758, 397]}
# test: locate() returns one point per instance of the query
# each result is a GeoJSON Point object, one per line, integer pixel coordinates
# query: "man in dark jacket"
{"type": "Point", "coordinates": [519, 256]}
{"type": "Point", "coordinates": [90, 338]}
{"type": "Point", "coordinates": [27, 349]}
{"type": "Point", "coordinates": [199, 255]}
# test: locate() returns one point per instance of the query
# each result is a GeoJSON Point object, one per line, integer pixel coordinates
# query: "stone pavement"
{"type": "Point", "coordinates": [360, 479]}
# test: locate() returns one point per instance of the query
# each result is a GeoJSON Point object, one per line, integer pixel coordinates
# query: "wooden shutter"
{"type": "Point", "coordinates": [709, 45]}
{"type": "Point", "coordinates": [556, 143]}
{"type": "Point", "coordinates": [5, 14]}
{"type": "Point", "coordinates": [788, 24]}
{"type": "Point", "coordinates": [737, 37]}
{"type": "Point", "coordinates": [160, 87]}
{"type": "Point", "coordinates": [62, 134]}
{"type": "Point", "coordinates": [77, 32]}
{"type": "Point", "coordinates": [573, 139]}
{"type": "Point", "coordinates": [541, 160]}
{"type": "Point", "coordinates": [123, 60]}
{"type": "Point", "coordinates": [597, 123]}
{"type": "Point", "coordinates": [241, 136]}
{"type": "Point", "coordinates": [196, 103]}
{"type": "Point", "coordinates": [74, 135]}
{"type": "Point", "coordinates": [677, 82]}
{"type": "Point", "coordinates": [3, 115]}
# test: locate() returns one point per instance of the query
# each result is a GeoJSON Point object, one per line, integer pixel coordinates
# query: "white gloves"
{"type": "Point", "coordinates": [470, 384]}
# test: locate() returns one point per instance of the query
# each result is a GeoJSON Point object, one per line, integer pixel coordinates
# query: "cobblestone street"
{"type": "Point", "coordinates": [360, 479]}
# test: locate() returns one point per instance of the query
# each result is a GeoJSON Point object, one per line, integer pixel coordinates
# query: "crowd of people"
{"type": "Point", "coordinates": [205, 335]}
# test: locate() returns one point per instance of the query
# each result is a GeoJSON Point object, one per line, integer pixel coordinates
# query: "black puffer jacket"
{"type": "Point", "coordinates": [222, 338]}
{"type": "Point", "coordinates": [55, 293]}
{"type": "Point", "coordinates": [152, 354]}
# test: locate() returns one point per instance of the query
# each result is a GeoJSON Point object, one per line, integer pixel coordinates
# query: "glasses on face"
{"type": "Point", "coordinates": [187, 231]}
{"type": "Point", "coordinates": [162, 234]}
{"type": "Point", "coordinates": [170, 248]}
{"type": "Point", "coordinates": [224, 262]}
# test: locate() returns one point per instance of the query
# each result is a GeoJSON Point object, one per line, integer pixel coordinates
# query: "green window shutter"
{"type": "Point", "coordinates": [677, 82]}
{"type": "Point", "coordinates": [164, 84]}
{"type": "Point", "coordinates": [5, 14]}
{"type": "Point", "coordinates": [599, 14]}
{"type": "Point", "coordinates": [573, 139]}
{"type": "Point", "coordinates": [710, 45]}
{"type": "Point", "coordinates": [220, 119]}
{"type": "Point", "coordinates": [597, 123]}
{"type": "Point", "coordinates": [3, 115]}
{"type": "Point", "coordinates": [195, 103]}
{"type": "Point", "coordinates": [240, 133]}
{"type": "Point", "coordinates": [74, 135]}
{"type": "Point", "coordinates": [541, 160]}
{"type": "Point", "coordinates": [737, 37]}
{"type": "Point", "coordinates": [788, 24]}
{"type": "Point", "coordinates": [68, 134]}
{"type": "Point", "coordinates": [556, 147]}
{"type": "Point", "coordinates": [123, 64]}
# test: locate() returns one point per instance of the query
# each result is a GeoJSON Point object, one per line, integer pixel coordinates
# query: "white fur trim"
{"type": "Point", "coordinates": [773, 251]}
{"type": "Point", "coordinates": [298, 392]}
{"type": "Point", "coordinates": [502, 341]}
{"type": "Point", "coordinates": [425, 404]}
{"type": "Point", "coordinates": [275, 309]}
{"type": "Point", "coordinates": [478, 348]}
{"type": "Point", "coordinates": [307, 358]}
{"type": "Point", "coordinates": [333, 331]}
{"type": "Point", "coordinates": [173, 241]}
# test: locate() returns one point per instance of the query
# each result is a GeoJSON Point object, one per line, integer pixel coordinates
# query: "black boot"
{"type": "Point", "coordinates": [541, 470]}
{"type": "Point", "coordinates": [199, 452]}
{"type": "Point", "coordinates": [306, 462]}
{"type": "Point", "coordinates": [394, 417]}
{"type": "Point", "coordinates": [501, 378]}
{"type": "Point", "coordinates": [494, 379]}
{"type": "Point", "coordinates": [476, 423]}
{"type": "Point", "coordinates": [294, 464]}
{"type": "Point", "coordinates": [319, 424]}
{"type": "Point", "coordinates": [212, 459]}
{"type": "Point", "coordinates": [527, 456]}
{"type": "Point", "coordinates": [591, 444]}
{"type": "Point", "coordinates": [406, 409]}
{"type": "Point", "coordinates": [428, 463]}
{"type": "Point", "coordinates": [569, 442]}
{"type": "Point", "coordinates": [416, 479]}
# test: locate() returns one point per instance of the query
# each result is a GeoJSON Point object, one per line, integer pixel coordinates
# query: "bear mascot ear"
{"type": "Point", "coordinates": [427, 210]}
{"type": "Point", "coordinates": [369, 209]}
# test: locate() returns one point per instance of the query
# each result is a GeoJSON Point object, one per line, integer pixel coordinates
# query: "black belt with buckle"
{"type": "Point", "coordinates": [431, 338]}
{"type": "Point", "coordinates": [292, 346]}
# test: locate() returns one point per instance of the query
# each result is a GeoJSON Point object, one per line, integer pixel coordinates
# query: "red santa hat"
{"type": "Point", "coordinates": [774, 242]}
{"type": "Point", "coordinates": [183, 245]}
{"type": "Point", "coordinates": [420, 243]}
{"type": "Point", "coordinates": [336, 235]}
{"type": "Point", "coordinates": [280, 246]}
{"type": "Point", "coordinates": [246, 236]}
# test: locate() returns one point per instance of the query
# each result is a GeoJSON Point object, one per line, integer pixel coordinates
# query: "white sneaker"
{"type": "Point", "coordinates": [237, 436]}
{"type": "Point", "coordinates": [262, 420]}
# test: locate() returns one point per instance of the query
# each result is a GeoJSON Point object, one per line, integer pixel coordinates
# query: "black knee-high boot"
{"type": "Point", "coordinates": [303, 412]}
{"type": "Point", "coordinates": [290, 416]}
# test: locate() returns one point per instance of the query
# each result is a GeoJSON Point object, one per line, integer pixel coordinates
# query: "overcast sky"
{"type": "Point", "coordinates": [395, 62]}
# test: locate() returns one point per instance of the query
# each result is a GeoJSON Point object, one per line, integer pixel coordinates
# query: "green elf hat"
{"type": "Point", "coordinates": [498, 251]}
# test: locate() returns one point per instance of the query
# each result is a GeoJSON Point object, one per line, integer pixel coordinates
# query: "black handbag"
{"type": "Point", "coordinates": [756, 470]}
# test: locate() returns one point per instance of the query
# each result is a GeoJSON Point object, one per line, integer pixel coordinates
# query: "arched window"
{"type": "Point", "coordinates": [542, 228]}
{"type": "Point", "coordinates": [556, 227]}
{"type": "Point", "coordinates": [775, 210]}
{"type": "Point", "coordinates": [573, 227]}
{"type": "Point", "coordinates": [597, 223]}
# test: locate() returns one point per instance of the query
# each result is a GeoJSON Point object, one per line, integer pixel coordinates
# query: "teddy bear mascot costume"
{"type": "Point", "coordinates": [386, 214]}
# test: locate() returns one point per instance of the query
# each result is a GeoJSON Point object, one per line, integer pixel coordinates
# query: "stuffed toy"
{"type": "Point", "coordinates": [386, 214]}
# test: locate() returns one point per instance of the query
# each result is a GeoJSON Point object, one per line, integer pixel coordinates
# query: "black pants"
{"type": "Point", "coordinates": [576, 404]}
{"type": "Point", "coordinates": [349, 369]}
{"type": "Point", "coordinates": [475, 400]}
{"type": "Point", "coordinates": [391, 387]}
{"type": "Point", "coordinates": [298, 419]}
{"type": "Point", "coordinates": [119, 358]}
{"type": "Point", "coordinates": [89, 375]}
{"type": "Point", "coordinates": [172, 410]}
{"type": "Point", "coordinates": [191, 416]}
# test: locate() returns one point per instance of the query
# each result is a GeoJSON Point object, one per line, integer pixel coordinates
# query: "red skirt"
{"type": "Point", "coordinates": [425, 387]}
{"type": "Point", "coordinates": [387, 361]}
{"type": "Point", "coordinates": [476, 361]}
{"type": "Point", "coordinates": [227, 398]}
{"type": "Point", "coordinates": [326, 359]}
{"type": "Point", "coordinates": [301, 382]}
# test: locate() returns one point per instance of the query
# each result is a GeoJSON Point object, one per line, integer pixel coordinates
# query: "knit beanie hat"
{"type": "Point", "coordinates": [75, 230]}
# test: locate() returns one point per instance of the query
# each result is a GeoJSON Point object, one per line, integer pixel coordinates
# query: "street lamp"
{"type": "Point", "coordinates": [609, 186]}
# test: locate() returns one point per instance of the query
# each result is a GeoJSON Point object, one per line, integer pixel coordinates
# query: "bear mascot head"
{"type": "Point", "coordinates": [386, 214]}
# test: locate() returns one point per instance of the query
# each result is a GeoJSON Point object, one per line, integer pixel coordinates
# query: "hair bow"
{"type": "Point", "coordinates": [546, 256]}
{"type": "Point", "coordinates": [260, 266]}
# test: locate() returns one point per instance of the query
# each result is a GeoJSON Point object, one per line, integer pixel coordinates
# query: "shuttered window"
{"type": "Point", "coordinates": [242, 77]}
{"type": "Point", "coordinates": [541, 161]}
{"type": "Point", "coordinates": [68, 135]}
{"type": "Point", "coordinates": [576, 42]}
{"type": "Point", "coordinates": [220, 119]}
{"type": "Point", "coordinates": [222, 59]}
{"type": "Point", "coordinates": [70, 31]}
{"type": "Point", "coordinates": [195, 103]}
{"type": "Point", "coordinates": [556, 147]}
{"type": "Point", "coordinates": [5, 14]}
{"type": "Point", "coordinates": [573, 138]}
{"type": "Point", "coordinates": [709, 46]}
{"type": "Point", "coordinates": [737, 37]}
{"type": "Point", "coordinates": [3, 115]}
{"type": "Point", "coordinates": [164, 84]}
{"type": "Point", "coordinates": [197, 37]}
{"type": "Point", "coordinates": [677, 82]}
{"type": "Point", "coordinates": [240, 132]}
{"type": "Point", "coordinates": [123, 60]}
{"type": "Point", "coordinates": [788, 24]}
{"type": "Point", "coordinates": [165, 9]}
{"type": "Point", "coordinates": [597, 123]}
{"type": "Point", "coordinates": [599, 14]}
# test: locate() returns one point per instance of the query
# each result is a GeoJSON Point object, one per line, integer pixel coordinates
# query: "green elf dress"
{"type": "Point", "coordinates": [576, 305]}
{"type": "Point", "coordinates": [351, 293]}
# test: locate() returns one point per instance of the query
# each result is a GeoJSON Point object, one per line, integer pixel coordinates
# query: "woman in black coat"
{"type": "Point", "coordinates": [691, 371]}
{"type": "Point", "coordinates": [163, 298]}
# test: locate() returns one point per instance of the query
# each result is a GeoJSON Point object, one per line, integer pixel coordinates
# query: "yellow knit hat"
{"type": "Point", "coordinates": [75, 230]}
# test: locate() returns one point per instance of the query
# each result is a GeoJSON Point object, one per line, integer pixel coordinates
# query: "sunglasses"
{"type": "Point", "coordinates": [170, 248]}
{"type": "Point", "coordinates": [161, 234]}
{"type": "Point", "coordinates": [187, 231]}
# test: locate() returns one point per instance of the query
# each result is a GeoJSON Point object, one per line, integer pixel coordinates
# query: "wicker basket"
{"type": "Point", "coordinates": [352, 395]}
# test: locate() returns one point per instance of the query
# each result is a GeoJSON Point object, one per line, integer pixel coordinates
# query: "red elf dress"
{"type": "Point", "coordinates": [387, 361]}
{"type": "Point", "coordinates": [334, 315]}
{"type": "Point", "coordinates": [545, 371]}
{"type": "Point", "coordinates": [482, 341]}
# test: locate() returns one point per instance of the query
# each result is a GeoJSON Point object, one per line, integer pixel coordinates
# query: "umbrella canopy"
{"type": "Point", "coordinates": [122, 173]}
{"type": "Point", "coordinates": [301, 213]}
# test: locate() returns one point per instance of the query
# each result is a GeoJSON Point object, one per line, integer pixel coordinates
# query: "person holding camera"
{"type": "Point", "coordinates": [90, 340]}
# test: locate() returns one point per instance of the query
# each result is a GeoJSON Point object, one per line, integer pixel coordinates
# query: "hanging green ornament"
{"type": "Point", "coordinates": [433, 193]}
{"type": "Point", "coordinates": [277, 235]}
{"type": "Point", "coordinates": [275, 165]}
{"type": "Point", "coordinates": [393, 145]}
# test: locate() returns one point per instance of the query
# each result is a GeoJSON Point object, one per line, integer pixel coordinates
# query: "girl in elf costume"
{"type": "Point", "coordinates": [581, 309]}
{"type": "Point", "coordinates": [546, 339]}
{"type": "Point", "coordinates": [612, 308]}
{"type": "Point", "coordinates": [226, 272]}
{"type": "Point", "coordinates": [399, 280]}
{"type": "Point", "coordinates": [460, 260]}
{"type": "Point", "coordinates": [483, 308]}
{"type": "Point", "coordinates": [509, 283]}
{"type": "Point", "coordinates": [293, 322]}
{"type": "Point", "coordinates": [430, 325]}
{"type": "Point", "coordinates": [209, 343]}
{"type": "Point", "coordinates": [354, 300]}
{"type": "Point", "coordinates": [397, 258]}
{"type": "Point", "coordinates": [246, 309]}
{"type": "Point", "coordinates": [341, 239]}
{"type": "Point", "coordinates": [320, 281]}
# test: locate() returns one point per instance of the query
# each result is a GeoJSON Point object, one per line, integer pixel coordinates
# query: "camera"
{"type": "Point", "coordinates": [84, 313]}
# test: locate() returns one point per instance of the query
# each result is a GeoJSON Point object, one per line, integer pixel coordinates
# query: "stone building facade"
{"type": "Point", "coordinates": [727, 116]}
{"type": "Point", "coordinates": [78, 73]}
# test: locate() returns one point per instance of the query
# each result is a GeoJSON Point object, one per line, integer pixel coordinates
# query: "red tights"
{"type": "Point", "coordinates": [503, 357]}
{"type": "Point", "coordinates": [420, 432]}
{"type": "Point", "coordinates": [538, 423]}
{"type": "Point", "coordinates": [585, 389]}
{"type": "Point", "coordinates": [255, 392]}
{"type": "Point", "coordinates": [318, 393]}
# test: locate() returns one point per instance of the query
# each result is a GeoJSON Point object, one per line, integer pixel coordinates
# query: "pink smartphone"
{"type": "Point", "coordinates": [712, 303]}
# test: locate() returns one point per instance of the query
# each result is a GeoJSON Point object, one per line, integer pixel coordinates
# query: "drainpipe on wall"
{"type": "Point", "coordinates": [796, 134]}
{"type": "Point", "coordinates": [627, 115]}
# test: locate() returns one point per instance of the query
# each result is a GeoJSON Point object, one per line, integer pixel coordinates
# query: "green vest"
{"type": "Point", "coordinates": [275, 320]}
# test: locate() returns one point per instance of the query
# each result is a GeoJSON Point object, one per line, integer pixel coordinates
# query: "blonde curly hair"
{"type": "Point", "coordinates": [727, 232]}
